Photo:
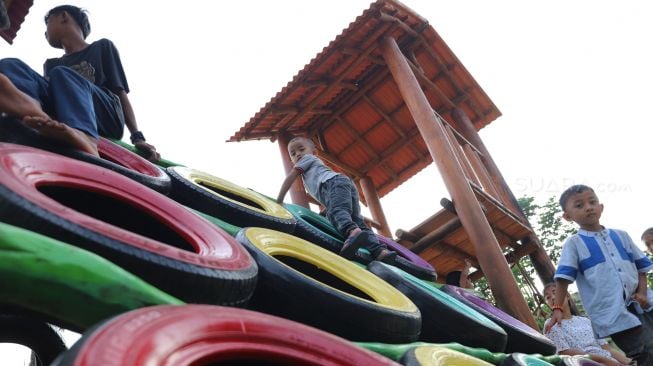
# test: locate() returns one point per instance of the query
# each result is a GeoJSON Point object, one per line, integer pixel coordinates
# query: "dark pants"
{"type": "Point", "coordinates": [343, 210]}
{"type": "Point", "coordinates": [69, 98]}
{"type": "Point", "coordinates": [637, 343]}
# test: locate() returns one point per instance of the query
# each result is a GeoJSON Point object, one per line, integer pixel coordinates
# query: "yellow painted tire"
{"type": "Point", "coordinates": [439, 356]}
{"type": "Point", "coordinates": [227, 201]}
{"type": "Point", "coordinates": [303, 282]}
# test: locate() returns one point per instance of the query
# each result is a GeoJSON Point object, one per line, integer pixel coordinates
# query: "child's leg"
{"type": "Point", "coordinates": [16, 103]}
{"type": "Point", "coordinates": [636, 343]}
{"type": "Point", "coordinates": [23, 92]}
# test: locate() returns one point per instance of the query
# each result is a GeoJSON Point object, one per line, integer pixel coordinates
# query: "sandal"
{"type": "Point", "coordinates": [352, 244]}
{"type": "Point", "coordinates": [386, 256]}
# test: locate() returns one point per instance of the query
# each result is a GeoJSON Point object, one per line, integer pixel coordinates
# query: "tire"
{"type": "Point", "coordinates": [396, 351]}
{"type": "Point", "coordinates": [129, 224]}
{"type": "Point", "coordinates": [46, 344]}
{"type": "Point", "coordinates": [112, 156]}
{"type": "Point", "coordinates": [204, 334]}
{"type": "Point", "coordinates": [444, 319]}
{"type": "Point", "coordinates": [162, 163]}
{"type": "Point", "coordinates": [305, 283]}
{"type": "Point", "coordinates": [578, 360]}
{"type": "Point", "coordinates": [521, 337]}
{"type": "Point", "coordinates": [521, 359]}
{"type": "Point", "coordinates": [64, 285]}
{"type": "Point", "coordinates": [437, 355]}
{"type": "Point", "coordinates": [409, 261]}
{"type": "Point", "coordinates": [315, 228]}
{"type": "Point", "coordinates": [227, 201]}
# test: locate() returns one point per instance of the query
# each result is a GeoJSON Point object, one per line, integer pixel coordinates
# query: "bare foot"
{"type": "Point", "coordinates": [16, 103]}
{"type": "Point", "coordinates": [50, 128]}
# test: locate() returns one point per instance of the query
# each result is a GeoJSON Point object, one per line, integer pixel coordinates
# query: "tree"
{"type": "Point", "coordinates": [552, 231]}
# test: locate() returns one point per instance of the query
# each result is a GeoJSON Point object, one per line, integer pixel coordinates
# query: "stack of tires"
{"type": "Point", "coordinates": [164, 264]}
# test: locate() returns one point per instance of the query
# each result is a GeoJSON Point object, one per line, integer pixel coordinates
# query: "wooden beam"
{"type": "Point", "coordinates": [385, 116]}
{"type": "Point", "coordinates": [374, 204]}
{"type": "Point", "coordinates": [469, 211]}
{"type": "Point", "coordinates": [436, 235]}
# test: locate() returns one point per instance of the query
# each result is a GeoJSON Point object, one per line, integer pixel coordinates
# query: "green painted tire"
{"type": "Point", "coordinates": [65, 285]}
{"type": "Point", "coordinates": [397, 351]}
{"type": "Point", "coordinates": [444, 319]}
{"type": "Point", "coordinates": [231, 229]}
{"type": "Point", "coordinates": [306, 283]}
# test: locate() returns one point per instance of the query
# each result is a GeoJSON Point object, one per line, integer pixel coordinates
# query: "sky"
{"type": "Point", "coordinates": [571, 78]}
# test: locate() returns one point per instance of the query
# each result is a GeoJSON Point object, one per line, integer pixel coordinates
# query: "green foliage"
{"type": "Point", "coordinates": [552, 231]}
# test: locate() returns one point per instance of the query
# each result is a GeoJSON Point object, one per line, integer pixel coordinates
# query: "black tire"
{"type": "Point", "coordinates": [521, 337]}
{"type": "Point", "coordinates": [227, 201]}
{"type": "Point", "coordinates": [112, 156]}
{"type": "Point", "coordinates": [305, 283]}
{"type": "Point", "coordinates": [135, 227]}
{"type": "Point", "coordinates": [443, 318]}
{"type": "Point", "coordinates": [40, 337]}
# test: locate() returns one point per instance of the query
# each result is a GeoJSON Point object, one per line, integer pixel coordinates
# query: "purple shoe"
{"type": "Point", "coordinates": [351, 246]}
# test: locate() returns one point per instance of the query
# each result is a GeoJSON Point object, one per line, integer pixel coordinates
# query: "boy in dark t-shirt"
{"type": "Point", "coordinates": [83, 94]}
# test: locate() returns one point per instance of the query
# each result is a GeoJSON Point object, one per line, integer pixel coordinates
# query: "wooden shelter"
{"type": "Point", "coordinates": [16, 12]}
{"type": "Point", "coordinates": [382, 101]}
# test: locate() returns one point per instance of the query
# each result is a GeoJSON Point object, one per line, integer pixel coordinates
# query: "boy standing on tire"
{"type": "Point", "coordinates": [337, 193]}
{"type": "Point", "coordinates": [610, 271]}
{"type": "Point", "coordinates": [85, 89]}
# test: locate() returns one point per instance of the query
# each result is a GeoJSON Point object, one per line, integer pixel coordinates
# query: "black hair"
{"type": "Point", "coordinates": [647, 231]}
{"type": "Point", "coordinates": [453, 278]}
{"type": "Point", "coordinates": [79, 14]}
{"type": "Point", "coordinates": [575, 189]}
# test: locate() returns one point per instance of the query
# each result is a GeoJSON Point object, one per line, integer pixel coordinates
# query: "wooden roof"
{"type": "Point", "coordinates": [16, 10]}
{"type": "Point", "coordinates": [346, 99]}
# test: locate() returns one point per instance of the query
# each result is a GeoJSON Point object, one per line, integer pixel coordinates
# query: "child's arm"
{"type": "Point", "coordinates": [561, 296]}
{"type": "Point", "coordinates": [285, 186]}
{"type": "Point", "coordinates": [640, 295]}
{"type": "Point", "coordinates": [130, 122]}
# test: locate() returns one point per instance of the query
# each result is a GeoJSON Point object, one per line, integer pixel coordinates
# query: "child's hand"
{"type": "Point", "coordinates": [642, 299]}
{"type": "Point", "coordinates": [556, 317]}
{"type": "Point", "coordinates": [152, 154]}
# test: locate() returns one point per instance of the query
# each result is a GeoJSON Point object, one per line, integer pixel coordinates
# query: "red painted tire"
{"type": "Point", "coordinates": [203, 335]}
{"type": "Point", "coordinates": [131, 225]}
{"type": "Point", "coordinates": [112, 156]}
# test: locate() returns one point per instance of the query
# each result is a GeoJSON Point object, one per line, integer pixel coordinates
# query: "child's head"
{"type": "Point", "coordinates": [647, 238]}
{"type": "Point", "coordinates": [549, 292]}
{"type": "Point", "coordinates": [581, 205]}
{"type": "Point", "coordinates": [300, 146]}
{"type": "Point", "coordinates": [69, 15]}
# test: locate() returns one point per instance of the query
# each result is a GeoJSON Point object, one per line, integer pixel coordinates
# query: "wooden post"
{"type": "Point", "coordinates": [488, 251]}
{"type": "Point", "coordinates": [374, 204]}
{"type": "Point", "coordinates": [297, 192]}
{"type": "Point", "coordinates": [541, 261]}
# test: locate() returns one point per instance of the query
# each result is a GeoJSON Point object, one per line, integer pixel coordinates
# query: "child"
{"type": "Point", "coordinates": [460, 278]}
{"type": "Point", "coordinates": [611, 276]}
{"type": "Point", "coordinates": [338, 195]}
{"type": "Point", "coordinates": [573, 334]}
{"type": "Point", "coordinates": [85, 89]}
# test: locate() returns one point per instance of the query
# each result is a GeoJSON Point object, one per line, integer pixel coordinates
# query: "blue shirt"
{"type": "Point", "coordinates": [606, 267]}
{"type": "Point", "coordinates": [314, 173]}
